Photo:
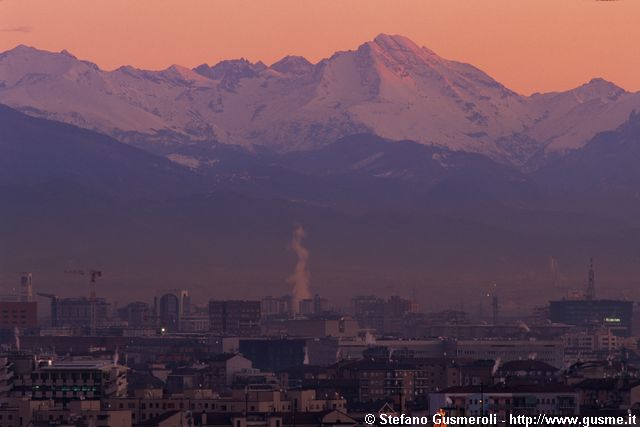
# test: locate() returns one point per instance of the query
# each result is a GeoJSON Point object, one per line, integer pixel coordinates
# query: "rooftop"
{"type": "Point", "coordinates": [509, 389]}
{"type": "Point", "coordinates": [527, 365]}
{"type": "Point", "coordinates": [80, 364]}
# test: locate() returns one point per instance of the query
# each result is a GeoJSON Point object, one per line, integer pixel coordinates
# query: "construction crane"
{"type": "Point", "coordinates": [95, 275]}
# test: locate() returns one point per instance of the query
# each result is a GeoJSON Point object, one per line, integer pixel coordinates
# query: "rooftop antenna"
{"type": "Point", "coordinates": [591, 287]}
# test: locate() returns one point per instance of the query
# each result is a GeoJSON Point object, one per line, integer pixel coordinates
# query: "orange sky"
{"type": "Point", "coordinates": [529, 45]}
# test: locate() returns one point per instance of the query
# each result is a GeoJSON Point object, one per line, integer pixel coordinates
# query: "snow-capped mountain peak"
{"type": "Point", "coordinates": [402, 49]}
{"type": "Point", "coordinates": [24, 64]}
{"type": "Point", "coordinates": [293, 65]}
{"type": "Point", "coordinates": [598, 88]}
{"type": "Point", "coordinates": [231, 70]}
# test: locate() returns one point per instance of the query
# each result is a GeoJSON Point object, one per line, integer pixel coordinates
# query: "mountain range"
{"type": "Point", "coordinates": [389, 87]}
{"type": "Point", "coordinates": [407, 171]}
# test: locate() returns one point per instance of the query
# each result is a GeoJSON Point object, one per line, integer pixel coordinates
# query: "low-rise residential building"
{"type": "Point", "coordinates": [380, 379]}
{"type": "Point", "coordinates": [222, 368]}
{"type": "Point", "coordinates": [249, 400]}
{"type": "Point", "coordinates": [526, 372]}
{"type": "Point", "coordinates": [329, 418]}
{"type": "Point", "coordinates": [502, 400]}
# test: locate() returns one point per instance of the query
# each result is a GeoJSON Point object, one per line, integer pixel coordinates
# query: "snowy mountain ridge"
{"type": "Point", "coordinates": [389, 86]}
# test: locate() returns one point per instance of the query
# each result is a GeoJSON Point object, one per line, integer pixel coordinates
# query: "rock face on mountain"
{"type": "Point", "coordinates": [389, 87]}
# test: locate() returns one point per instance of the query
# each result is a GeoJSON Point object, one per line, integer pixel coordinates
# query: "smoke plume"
{"type": "Point", "coordinates": [300, 277]}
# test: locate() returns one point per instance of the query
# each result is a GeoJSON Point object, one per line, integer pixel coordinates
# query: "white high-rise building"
{"type": "Point", "coordinates": [26, 287]}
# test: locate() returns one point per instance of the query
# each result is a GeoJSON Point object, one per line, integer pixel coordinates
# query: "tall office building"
{"type": "Point", "coordinates": [76, 312]}
{"type": "Point", "coordinates": [18, 314]}
{"type": "Point", "coordinates": [136, 314]}
{"type": "Point", "coordinates": [241, 318]}
{"type": "Point", "coordinates": [616, 315]}
{"type": "Point", "coordinates": [26, 287]}
{"type": "Point", "coordinates": [271, 307]}
{"type": "Point", "coordinates": [170, 307]}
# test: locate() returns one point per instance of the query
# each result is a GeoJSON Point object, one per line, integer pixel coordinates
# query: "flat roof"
{"type": "Point", "coordinates": [79, 364]}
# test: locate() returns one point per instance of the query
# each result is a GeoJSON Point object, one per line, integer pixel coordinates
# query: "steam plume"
{"type": "Point", "coordinates": [496, 366]}
{"type": "Point", "coordinates": [553, 268]}
{"type": "Point", "coordinates": [300, 277]}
